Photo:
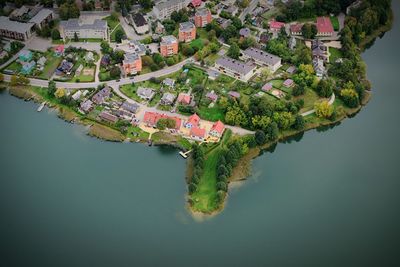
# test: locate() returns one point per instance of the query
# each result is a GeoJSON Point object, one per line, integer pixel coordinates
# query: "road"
{"type": "Point", "coordinates": [248, 9]}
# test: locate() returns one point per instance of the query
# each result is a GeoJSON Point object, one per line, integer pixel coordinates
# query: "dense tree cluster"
{"type": "Point", "coordinates": [198, 167]}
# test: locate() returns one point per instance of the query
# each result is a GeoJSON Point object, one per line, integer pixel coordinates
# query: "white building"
{"type": "Point", "coordinates": [15, 30]}
{"type": "Point", "coordinates": [97, 30]}
{"type": "Point", "coordinates": [263, 58]}
{"type": "Point", "coordinates": [163, 9]}
{"type": "Point", "coordinates": [235, 68]}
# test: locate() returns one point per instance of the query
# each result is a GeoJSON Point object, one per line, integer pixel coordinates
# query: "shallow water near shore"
{"type": "Point", "coordinates": [328, 198]}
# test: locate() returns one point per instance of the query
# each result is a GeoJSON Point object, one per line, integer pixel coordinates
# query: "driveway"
{"type": "Point", "coordinates": [130, 31]}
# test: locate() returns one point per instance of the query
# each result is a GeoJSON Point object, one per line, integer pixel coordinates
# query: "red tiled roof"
{"type": "Point", "coordinates": [218, 127]}
{"type": "Point", "coordinates": [324, 25]}
{"type": "Point", "coordinates": [199, 132]}
{"type": "Point", "coordinates": [196, 3]}
{"type": "Point", "coordinates": [194, 119]}
{"type": "Point", "coordinates": [276, 25]}
{"type": "Point", "coordinates": [184, 98]}
{"type": "Point", "coordinates": [152, 118]}
{"type": "Point", "coordinates": [59, 48]}
{"type": "Point", "coordinates": [296, 27]}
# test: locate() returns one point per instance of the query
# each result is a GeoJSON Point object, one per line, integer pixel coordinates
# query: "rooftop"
{"type": "Point", "coordinates": [130, 58]}
{"type": "Point", "coordinates": [42, 15]}
{"type": "Point", "coordinates": [186, 26]}
{"type": "Point", "coordinates": [14, 26]}
{"type": "Point", "coordinates": [324, 25]}
{"type": "Point", "coordinates": [168, 40]}
{"type": "Point", "coordinates": [261, 55]}
{"type": "Point", "coordinates": [235, 65]}
{"type": "Point", "coordinates": [139, 20]}
{"type": "Point", "coordinates": [73, 24]}
{"type": "Point", "coordinates": [202, 12]}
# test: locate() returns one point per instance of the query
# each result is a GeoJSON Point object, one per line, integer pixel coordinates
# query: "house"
{"type": "Point", "coordinates": [232, 9]}
{"type": "Point", "coordinates": [41, 61]}
{"type": "Point", "coordinates": [235, 68]}
{"type": "Point", "coordinates": [27, 67]}
{"type": "Point", "coordinates": [160, 29]}
{"type": "Point", "coordinates": [163, 9]}
{"type": "Point", "coordinates": [202, 17]}
{"type": "Point", "coordinates": [234, 94]}
{"type": "Point", "coordinates": [212, 74]}
{"type": "Point", "coordinates": [145, 93]}
{"type": "Point", "coordinates": [319, 50]}
{"type": "Point", "coordinates": [324, 27]}
{"type": "Point", "coordinates": [151, 119]}
{"type": "Point", "coordinates": [263, 58]}
{"type": "Point", "coordinates": [196, 3]}
{"type": "Point", "coordinates": [187, 32]}
{"type": "Point", "coordinates": [296, 29]}
{"type": "Point", "coordinates": [89, 57]}
{"type": "Point", "coordinates": [319, 67]}
{"type": "Point", "coordinates": [98, 29]}
{"type": "Point", "coordinates": [193, 121]}
{"type": "Point", "coordinates": [184, 99]}
{"type": "Point", "coordinates": [25, 55]}
{"type": "Point", "coordinates": [264, 38]}
{"type": "Point", "coordinates": [291, 70]}
{"type": "Point", "coordinates": [168, 46]}
{"type": "Point", "coordinates": [105, 60]}
{"type": "Point", "coordinates": [42, 18]}
{"type": "Point", "coordinates": [217, 129]}
{"type": "Point", "coordinates": [198, 134]}
{"type": "Point", "coordinates": [275, 26]}
{"type": "Point", "coordinates": [59, 50]}
{"type": "Point", "coordinates": [167, 99]}
{"type": "Point", "coordinates": [77, 95]}
{"type": "Point", "coordinates": [101, 96]}
{"type": "Point", "coordinates": [212, 96]}
{"type": "Point", "coordinates": [224, 23]}
{"type": "Point", "coordinates": [15, 30]}
{"type": "Point", "coordinates": [132, 63]}
{"type": "Point", "coordinates": [288, 83]}
{"type": "Point", "coordinates": [140, 24]}
{"type": "Point", "coordinates": [169, 82]}
{"type": "Point", "coordinates": [244, 32]}
{"type": "Point", "coordinates": [86, 106]}
{"type": "Point", "coordinates": [267, 87]}
{"type": "Point", "coordinates": [353, 6]}
{"type": "Point", "coordinates": [292, 43]}
{"type": "Point", "coordinates": [106, 116]}
{"type": "Point", "coordinates": [131, 107]}
{"type": "Point", "coordinates": [64, 68]}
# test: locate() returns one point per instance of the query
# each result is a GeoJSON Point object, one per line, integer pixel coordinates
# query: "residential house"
{"type": "Point", "coordinates": [163, 9]}
{"type": "Point", "coordinates": [140, 24]}
{"type": "Point", "coordinates": [169, 46]}
{"type": "Point", "coordinates": [232, 9]}
{"type": "Point", "coordinates": [267, 87]}
{"type": "Point", "coordinates": [137, 47]}
{"type": "Point", "coordinates": [264, 38]}
{"type": "Point", "coordinates": [131, 107]}
{"type": "Point", "coordinates": [263, 58]}
{"type": "Point", "coordinates": [89, 57]}
{"type": "Point", "coordinates": [235, 68]}
{"type": "Point", "coordinates": [132, 63]}
{"type": "Point", "coordinates": [324, 27]}
{"type": "Point", "coordinates": [151, 119]}
{"type": "Point", "coordinates": [96, 30]}
{"type": "Point", "coordinates": [167, 99]}
{"type": "Point", "coordinates": [169, 82]}
{"type": "Point", "coordinates": [145, 93]}
{"type": "Point", "coordinates": [276, 26]}
{"type": "Point", "coordinates": [212, 96]}
{"type": "Point", "coordinates": [64, 68]}
{"type": "Point", "coordinates": [160, 29]}
{"type": "Point", "coordinates": [198, 134]}
{"type": "Point", "coordinates": [193, 121]}
{"type": "Point", "coordinates": [319, 50]}
{"type": "Point", "coordinates": [292, 43]}
{"type": "Point", "coordinates": [217, 129]}
{"type": "Point", "coordinates": [15, 30]}
{"type": "Point", "coordinates": [77, 95]}
{"type": "Point", "coordinates": [196, 3]}
{"type": "Point", "coordinates": [187, 32]}
{"type": "Point", "coordinates": [101, 96]}
{"type": "Point", "coordinates": [202, 17]}
{"type": "Point", "coordinates": [106, 116]}
{"type": "Point", "coordinates": [291, 70]}
{"type": "Point", "coordinates": [184, 99]}
{"type": "Point", "coordinates": [25, 55]}
{"type": "Point", "coordinates": [27, 67]}
{"type": "Point", "coordinates": [105, 60]}
{"type": "Point", "coordinates": [59, 50]}
{"type": "Point", "coordinates": [319, 67]}
{"type": "Point", "coordinates": [288, 83]}
{"type": "Point", "coordinates": [296, 29]}
{"type": "Point", "coordinates": [244, 32]}
{"type": "Point", "coordinates": [233, 94]}
{"type": "Point", "coordinates": [42, 61]}
{"type": "Point", "coordinates": [86, 106]}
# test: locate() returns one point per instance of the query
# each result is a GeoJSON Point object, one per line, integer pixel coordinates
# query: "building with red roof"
{"type": "Point", "coordinates": [184, 99]}
{"type": "Point", "coordinates": [193, 121]}
{"type": "Point", "coordinates": [217, 129]}
{"type": "Point", "coordinates": [198, 133]}
{"type": "Point", "coordinates": [324, 26]}
{"type": "Point", "coordinates": [275, 26]}
{"type": "Point", "coordinates": [196, 3]}
{"type": "Point", "coordinates": [59, 50]}
{"type": "Point", "coordinates": [296, 29]}
{"type": "Point", "coordinates": [151, 119]}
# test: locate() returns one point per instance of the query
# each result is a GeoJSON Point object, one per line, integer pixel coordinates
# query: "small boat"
{"type": "Point", "coordinates": [184, 155]}
{"type": "Point", "coordinates": [41, 106]}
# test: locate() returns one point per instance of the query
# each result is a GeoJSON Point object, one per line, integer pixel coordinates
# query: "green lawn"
{"type": "Point", "coordinates": [130, 91]}
{"type": "Point", "coordinates": [198, 43]}
{"type": "Point", "coordinates": [211, 114]}
{"type": "Point", "coordinates": [14, 66]}
{"type": "Point", "coordinates": [111, 23]}
{"type": "Point", "coordinates": [310, 97]}
{"type": "Point", "coordinates": [50, 66]}
{"type": "Point", "coordinates": [135, 132]}
{"type": "Point", "coordinates": [334, 54]}
{"type": "Point", "coordinates": [119, 27]}
{"type": "Point", "coordinates": [335, 23]}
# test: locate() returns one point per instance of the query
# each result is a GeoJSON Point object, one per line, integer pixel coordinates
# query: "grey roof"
{"type": "Point", "coordinates": [168, 4]}
{"type": "Point", "coordinates": [186, 26]}
{"type": "Point", "coordinates": [244, 32]}
{"type": "Point", "coordinates": [235, 65]}
{"type": "Point", "coordinates": [169, 39]}
{"type": "Point", "coordinates": [130, 58]}
{"type": "Point", "coordinates": [75, 24]}
{"type": "Point", "coordinates": [138, 46]}
{"type": "Point", "coordinates": [145, 92]}
{"type": "Point", "coordinates": [132, 107]}
{"type": "Point", "coordinates": [168, 98]}
{"type": "Point", "coordinates": [139, 20]}
{"type": "Point", "coordinates": [169, 82]}
{"type": "Point", "coordinates": [262, 56]}
{"type": "Point", "coordinates": [14, 26]}
{"type": "Point", "coordinates": [202, 12]}
{"type": "Point", "coordinates": [42, 15]}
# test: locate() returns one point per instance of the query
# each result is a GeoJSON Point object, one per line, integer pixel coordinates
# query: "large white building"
{"type": "Point", "coordinates": [263, 58]}
{"type": "Point", "coordinates": [163, 9]}
{"type": "Point", "coordinates": [235, 68]}
{"type": "Point", "coordinates": [97, 30]}
{"type": "Point", "coordinates": [15, 30]}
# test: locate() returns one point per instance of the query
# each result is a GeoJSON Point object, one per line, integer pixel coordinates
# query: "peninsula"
{"type": "Point", "coordinates": [220, 80]}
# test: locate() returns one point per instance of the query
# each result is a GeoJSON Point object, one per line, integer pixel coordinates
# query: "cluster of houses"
{"type": "Point", "coordinates": [320, 57]}
{"type": "Point", "coordinates": [192, 127]}
{"type": "Point", "coordinates": [28, 63]}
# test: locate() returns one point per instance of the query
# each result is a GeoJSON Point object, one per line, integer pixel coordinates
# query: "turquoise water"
{"type": "Point", "coordinates": [331, 198]}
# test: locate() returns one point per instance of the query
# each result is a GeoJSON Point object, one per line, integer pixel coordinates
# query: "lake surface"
{"type": "Point", "coordinates": [331, 199]}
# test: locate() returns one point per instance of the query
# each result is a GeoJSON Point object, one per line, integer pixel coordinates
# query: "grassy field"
{"type": "Point", "coordinates": [335, 23]}
{"type": "Point", "coordinates": [211, 114]}
{"type": "Point", "coordinates": [310, 97]}
{"type": "Point", "coordinates": [112, 36]}
{"type": "Point", "coordinates": [198, 43]}
{"type": "Point", "coordinates": [334, 54]}
{"type": "Point", "coordinates": [50, 66]}
{"type": "Point", "coordinates": [130, 91]}
{"type": "Point", "coordinates": [111, 23]}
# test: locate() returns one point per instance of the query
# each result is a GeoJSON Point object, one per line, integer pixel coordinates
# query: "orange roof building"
{"type": "Point", "coordinates": [217, 129]}
{"type": "Point", "coordinates": [198, 133]}
{"type": "Point", "coordinates": [151, 119]}
{"type": "Point", "coordinates": [202, 17]}
{"type": "Point", "coordinates": [168, 46]}
{"type": "Point", "coordinates": [132, 63]}
{"type": "Point", "coordinates": [187, 32]}
{"type": "Point", "coordinates": [193, 121]}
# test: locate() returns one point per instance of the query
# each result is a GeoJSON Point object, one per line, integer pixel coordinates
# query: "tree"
{"type": "Point", "coordinates": [114, 16]}
{"type": "Point", "coordinates": [60, 92]}
{"type": "Point", "coordinates": [325, 87]}
{"type": "Point", "coordinates": [166, 123]}
{"type": "Point", "coordinates": [260, 137]}
{"type": "Point", "coordinates": [234, 51]}
{"type": "Point", "coordinates": [192, 187]}
{"type": "Point", "coordinates": [14, 80]}
{"type": "Point", "coordinates": [55, 34]}
{"type": "Point", "coordinates": [299, 122]}
{"type": "Point", "coordinates": [146, 4]}
{"type": "Point", "coordinates": [235, 116]}
{"type": "Point", "coordinates": [115, 72]}
{"type": "Point", "coordinates": [1, 77]}
{"type": "Point", "coordinates": [119, 35]}
{"type": "Point", "coordinates": [298, 90]}
{"type": "Point", "coordinates": [105, 47]}
{"type": "Point", "coordinates": [350, 98]}
{"type": "Point", "coordinates": [309, 30]}
{"type": "Point", "coordinates": [52, 88]}
{"type": "Point", "coordinates": [69, 10]}
{"type": "Point", "coordinates": [323, 109]}
{"type": "Point", "coordinates": [222, 186]}
{"type": "Point", "coordinates": [76, 38]}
